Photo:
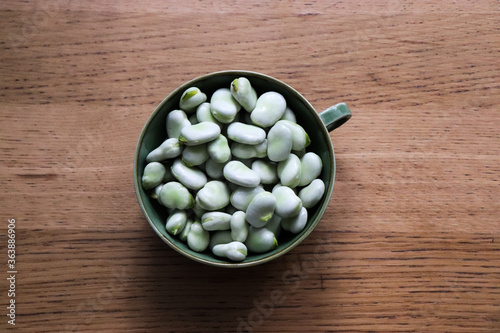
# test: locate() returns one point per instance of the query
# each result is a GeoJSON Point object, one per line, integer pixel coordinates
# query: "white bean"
{"type": "Point", "coordinates": [176, 222]}
{"type": "Point", "coordinates": [244, 93]}
{"type": "Point", "coordinates": [311, 166]}
{"type": "Point", "coordinates": [289, 171]}
{"type": "Point", "coordinates": [192, 178]}
{"type": "Point", "coordinates": [238, 173]}
{"type": "Point", "coordinates": [295, 224]}
{"type": "Point", "coordinates": [176, 120]}
{"type": "Point", "coordinates": [213, 196]}
{"type": "Point", "coordinates": [200, 133]}
{"type": "Point", "coordinates": [235, 251]}
{"type": "Point", "coordinates": [312, 193]}
{"type": "Point", "coordinates": [191, 98]}
{"type": "Point", "coordinates": [153, 175]}
{"type": "Point", "coordinates": [176, 196]}
{"type": "Point", "coordinates": [269, 108]}
{"type": "Point", "coordinates": [223, 105]}
{"type": "Point", "coordinates": [244, 133]}
{"type": "Point", "coordinates": [288, 204]}
{"type": "Point", "coordinates": [279, 142]}
{"type": "Point", "coordinates": [260, 240]}
{"type": "Point", "coordinates": [198, 238]}
{"type": "Point", "coordinates": [170, 148]}
{"type": "Point", "coordinates": [212, 221]}
{"type": "Point", "coordinates": [261, 209]}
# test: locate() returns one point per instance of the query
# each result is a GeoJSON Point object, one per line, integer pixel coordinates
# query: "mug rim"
{"type": "Point", "coordinates": [297, 239]}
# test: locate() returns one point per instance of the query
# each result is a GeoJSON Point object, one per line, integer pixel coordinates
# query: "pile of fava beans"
{"type": "Point", "coordinates": [234, 171]}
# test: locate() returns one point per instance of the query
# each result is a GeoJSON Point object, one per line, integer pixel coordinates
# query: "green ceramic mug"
{"type": "Point", "coordinates": [317, 125]}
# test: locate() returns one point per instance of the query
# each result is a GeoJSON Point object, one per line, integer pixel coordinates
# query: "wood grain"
{"type": "Point", "coordinates": [410, 241]}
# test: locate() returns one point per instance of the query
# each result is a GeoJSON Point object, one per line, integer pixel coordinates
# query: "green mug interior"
{"type": "Point", "coordinates": [154, 133]}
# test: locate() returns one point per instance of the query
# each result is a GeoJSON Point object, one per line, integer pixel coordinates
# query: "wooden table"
{"type": "Point", "coordinates": [409, 243]}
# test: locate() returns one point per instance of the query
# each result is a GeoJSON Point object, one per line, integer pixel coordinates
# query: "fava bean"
{"type": "Point", "coordinates": [176, 222]}
{"type": "Point", "coordinates": [212, 221]}
{"type": "Point", "coordinates": [235, 251]}
{"type": "Point", "coordinates": [300, 138]}
{"type": "Point", "coordinates": [223, 105]}
{"type": "Point", "coordinates": [279, 142]}
{"type": "Point", "coordinates": [269, 108]}
{"type": "Point", "coordinates": [289, 115]}
{"type": "Point", "coordinates": [175, 195]}
{"type": "Point", "coordinates": [214, 169]}
{"type": "Point", "coordinates": [203, 113]}
{"type": "Point", "coordinates": [219, 237]}
{"type": "Point", "coordinates": [170, 148]}
{"type": "Point", "coordinates": [289, 171]}
{"type": "Point", "coordinates": [239, 226]}
{"type": "Point", "coordinates": [242, 196]}
{"type": "Point", "coordinates": [176, 121]}
{"type": "Point", "coordinates": [213, 196]}
{"type": "Point", "coordinates": [288, 204]}
{"type": "Point", "coordinates": [153, 175]}
{"type": "Point", "coordinates": [261, 209]}
{"type": "Point", "coordinates": [200, 133]}
{"type": "Point", "coordinates": [219, 149]}
{"type": "Point", "coordinates": [260, 240]}
{"type": "Point", "coordinates": [274, 225]}
{"type": "Point", "coordinates": [238, 173]}
{"type": "Point", "coordinates": [295, 224]}
{"type": "Point", "coordinates": [266, 171]}
{"type": "Point", "coordinates": [192, 178]}
{"type": "Point", "coordinates": [195, 155]}
{"type": "Point", "coordinates": [198, 238]}
{"type": "Point", "coordinates": [312, 193]}
{"type": "Point", "coordinates": [311, 166]}
{"type": "Point", "coordinates": [244, 133]}
{"type": "Point", "coordinates": [191, 98]}
{"type": "Point", "coordinates": [156, 192]}
{"type": "Point", "coordinates": [185, 231]}
{"type": "Point", "coordinates": [244, 93]}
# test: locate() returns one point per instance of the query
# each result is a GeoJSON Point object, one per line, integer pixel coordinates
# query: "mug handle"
{"type": "Point", "coordinates": [335, 116]}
